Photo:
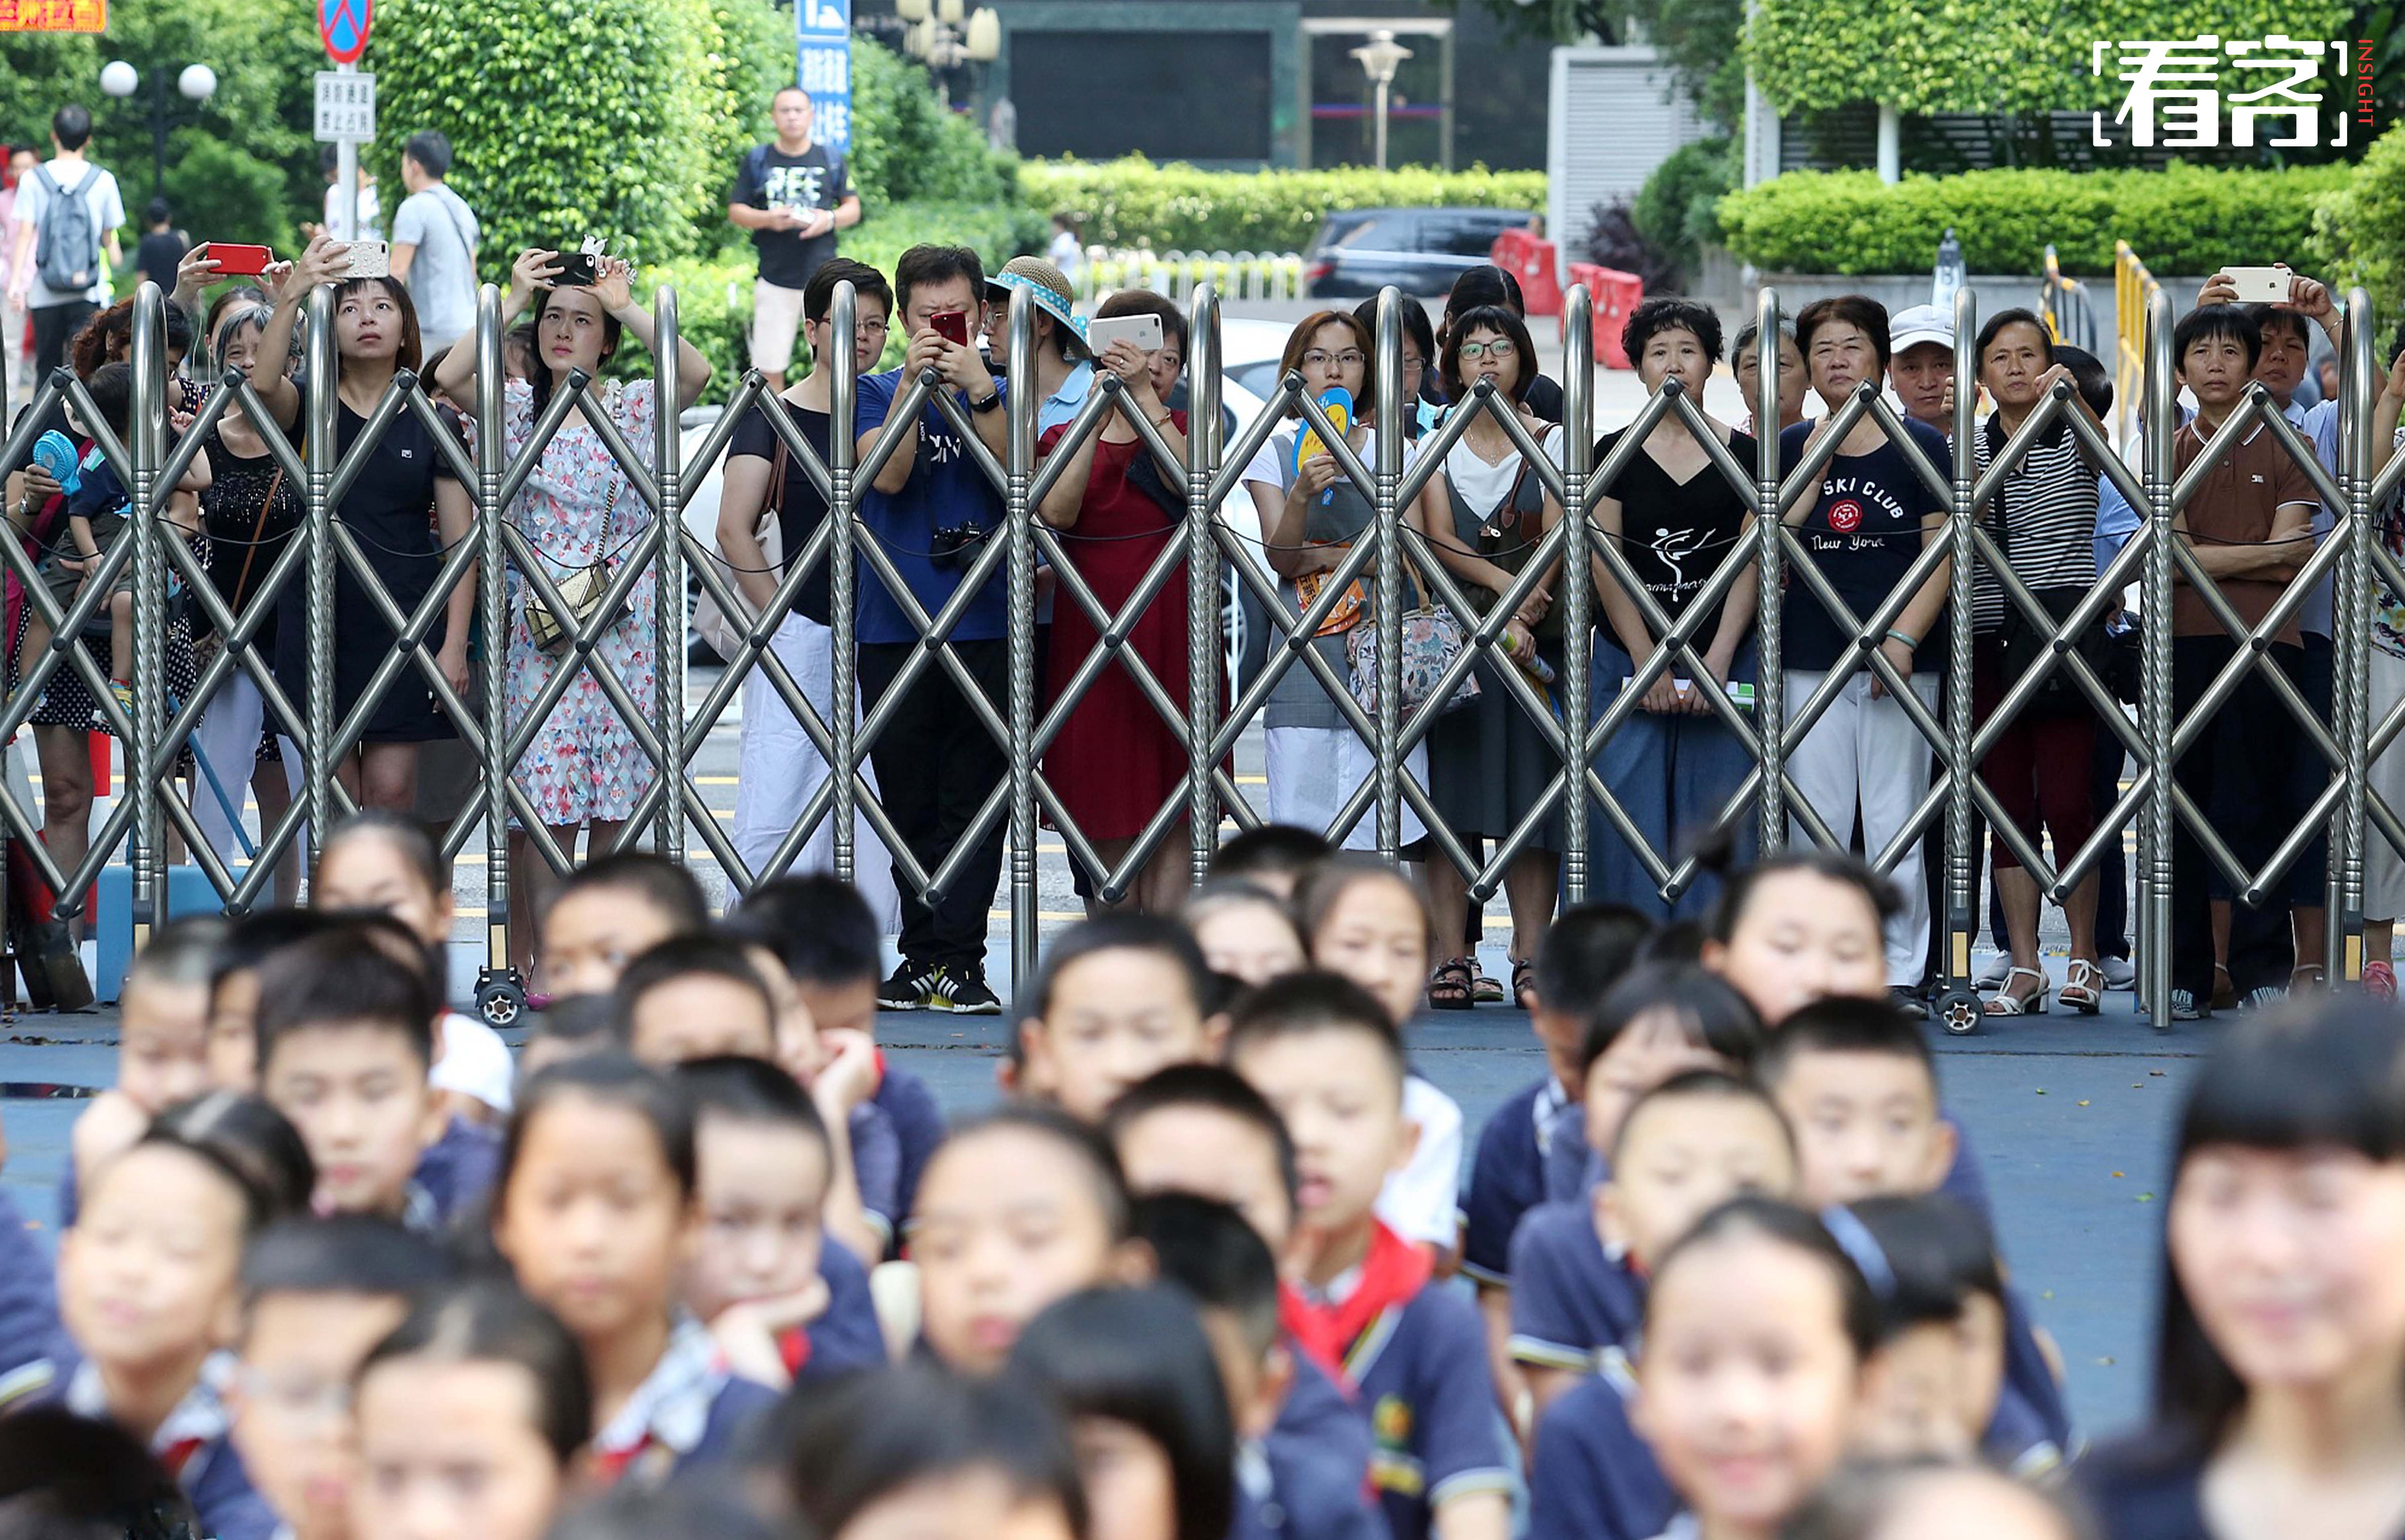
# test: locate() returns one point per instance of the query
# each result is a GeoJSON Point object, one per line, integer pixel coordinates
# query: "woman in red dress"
{"type": "Point", "coordinates": [1117, 758]}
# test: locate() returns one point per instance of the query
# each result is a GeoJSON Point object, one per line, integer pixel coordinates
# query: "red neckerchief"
{"type": "Point", "coordinates": [795, 1348]}
{"type": "Point", "coordinates": [612, 1466]}
{"type": "Point", "coordinates": [1392, 1272]}
{"type": "Point", "coordinates": [175, 1456]}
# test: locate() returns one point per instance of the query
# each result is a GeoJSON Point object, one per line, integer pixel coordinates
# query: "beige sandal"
{"type": "Point", "coordinates": [2003, 1003]}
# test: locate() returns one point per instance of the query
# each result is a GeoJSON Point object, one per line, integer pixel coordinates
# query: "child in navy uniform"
{"type": "Point", "coordinates": [318, 1294]}
{"type": "Point", "coordinates": [346, 1041]}
{"type": "Point", "coordinates": [610, 912]}
{"type": "Point", "coordinates": [993, 1249]}
{"type": "Point", "coordinates": [785, 1300]}
{"type": "Point", "coordinates": [1324, 1054]}
{"type": "Point", "coordinates": [473, 1418]}
{"type": "Point", "coordinates": [1698, 1139]}
{"type": "Point", "coordinates": [1199, 1130]}
{"type": "Point", "coordinates": [824, 934]}
{"type": "Point", "coordinates": [162, 1048]}
{"type": "Point", "coordinates": [150, 1289]}
{"type": "Point", "coordinates": [1941, 1390]}
{"type": "Point", "coordinates": [1758, 1332]}
{"type": "Point", "coordinates": [1859, 1085]}
{"type": "Point", "coordinates": [1581, 957]}
{"type": "Point", "coordinates": [1118, 996]}
{"type": "Point", "coordinates": [694, 997]}
{"type": "Point", "coordinates": [595, 1209]}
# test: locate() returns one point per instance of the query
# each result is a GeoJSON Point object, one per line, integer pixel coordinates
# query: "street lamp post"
{"type": "Point", "coordinates": [1380, 57]}
{"type": "Point", "coordinates": [196, 84]}
{"type": "Point", "coordinates": [946, 34]}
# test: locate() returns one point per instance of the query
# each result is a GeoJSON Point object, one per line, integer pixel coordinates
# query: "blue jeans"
{"type": "Point", "coordinates": [1672, 774]}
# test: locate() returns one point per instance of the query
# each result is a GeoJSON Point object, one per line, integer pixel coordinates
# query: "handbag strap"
{"type": "Point", "coordinates": [258, 531]}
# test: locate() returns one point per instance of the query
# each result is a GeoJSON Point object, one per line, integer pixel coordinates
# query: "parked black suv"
{"type": "Point", "coordinates": [1418, 250]}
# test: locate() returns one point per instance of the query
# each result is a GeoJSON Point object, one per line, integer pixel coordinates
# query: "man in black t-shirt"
{"type": "Point", "coordinates": [793, 196]}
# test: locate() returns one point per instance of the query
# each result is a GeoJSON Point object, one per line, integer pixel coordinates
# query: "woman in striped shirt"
{"type": "Point", "coordinates": [2043, 520]}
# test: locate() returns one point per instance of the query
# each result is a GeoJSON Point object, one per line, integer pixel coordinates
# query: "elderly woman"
{"type": "Point", "coordinates": [1864, 526]}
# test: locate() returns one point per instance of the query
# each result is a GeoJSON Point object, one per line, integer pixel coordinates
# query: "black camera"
{"type": "Point", "coordinates": [955, 546]}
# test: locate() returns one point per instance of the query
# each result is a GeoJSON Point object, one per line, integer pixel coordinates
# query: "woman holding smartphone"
{"type": "Point", "coordinates": [583, 770]}
{"type": "Point", "coordinates": [392, 509]}
{"type": "Point", "coordinates": [1117, 760]}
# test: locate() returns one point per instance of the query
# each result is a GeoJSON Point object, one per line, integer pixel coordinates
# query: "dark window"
{"type": "Point", "coordinates": [1171, 96]}
{"type": "Point", "coordinates": [1395, 230]}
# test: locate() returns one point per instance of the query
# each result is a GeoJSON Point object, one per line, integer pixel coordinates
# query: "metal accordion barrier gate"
{"type": "Point", "coordinates": [1209, 548]}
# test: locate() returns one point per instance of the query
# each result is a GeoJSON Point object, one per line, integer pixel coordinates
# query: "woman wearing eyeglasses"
{"type": "Point", "coordinates": [1489, 762]}
{"type": "Point", "coordinates": [1310, 514]}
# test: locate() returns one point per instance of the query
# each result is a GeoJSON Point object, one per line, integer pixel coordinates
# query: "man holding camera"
{"type": "Point", "coordinates": [932, 511]}
{"type": "Point", "coordinates": [793, 195]}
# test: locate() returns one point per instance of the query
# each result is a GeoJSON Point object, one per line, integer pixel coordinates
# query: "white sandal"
{"type": "Point", "coordinates": [2082, 990]}
{"type": "Point", "coordinates": [2004, 1003]}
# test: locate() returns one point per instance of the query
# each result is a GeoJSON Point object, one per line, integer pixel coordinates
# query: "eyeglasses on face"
{"type": "Point", "coordinates": [1501, 347]}
{"type": "Point", "coordinates": [1319, 358]}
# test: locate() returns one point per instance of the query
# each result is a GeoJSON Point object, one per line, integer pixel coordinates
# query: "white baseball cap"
{"type": "Point", "coordinates": [1918, 324]}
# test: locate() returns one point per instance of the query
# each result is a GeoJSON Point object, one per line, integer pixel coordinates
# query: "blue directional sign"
{"type": "Point", "coordinates": [823, 66]}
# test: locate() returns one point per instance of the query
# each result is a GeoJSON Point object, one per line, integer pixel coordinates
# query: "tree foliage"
{"type": "Point", "coordinates": [246, 169]}
{"type": "Point", "coordinates": [2359, 228]}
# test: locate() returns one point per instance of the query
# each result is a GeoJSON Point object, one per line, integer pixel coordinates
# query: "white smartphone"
{"type": "Point", "coordinates": [1142, 330]}
{"type": "Point", "coordinates": [368, 260]}
{"type": "Point", "coordinates": [2260, 286]}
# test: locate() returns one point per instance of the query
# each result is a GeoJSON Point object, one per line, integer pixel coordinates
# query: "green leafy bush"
{"type": "Point", "coordinates": [1676, 209]}
{"type": "Point", "coordinates": [2180, 221]}
{"type": "Point", "coordinates": [567, 116]}
{"type": "Point", "coordinates": [1176, 208]}
{"type": "Point", "coordinates": [905, 148]}
{"type": "Point", "coordinates": [1988, 56]}
{"type": "Point", "coordinates": [2359, 228]}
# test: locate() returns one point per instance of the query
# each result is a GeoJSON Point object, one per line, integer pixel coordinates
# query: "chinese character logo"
{"type": "Point", "coordinates": [2174, 99]}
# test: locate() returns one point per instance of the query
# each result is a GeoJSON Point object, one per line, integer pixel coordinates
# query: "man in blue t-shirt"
{"type": "Point", "coordinates": [930, 510]}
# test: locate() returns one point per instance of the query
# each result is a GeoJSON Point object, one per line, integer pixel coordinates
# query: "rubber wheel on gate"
{"type": "Point", "coordinates": [1959, 1012]}
{"type": "Point", "coordinates": [500, 1001]}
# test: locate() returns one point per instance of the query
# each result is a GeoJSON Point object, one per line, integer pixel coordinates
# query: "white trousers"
{"type": "Point", "coordinates": [228, 738]}
{"type": "Point", "coordinates": [1864, 750]}
{"type": "Point", "coordinates": [781, 769]}
{"type": "Point", "coordinates": [1311, 772]}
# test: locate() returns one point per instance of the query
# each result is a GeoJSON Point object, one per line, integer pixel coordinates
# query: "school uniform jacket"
{"type": "Point", "coordinates": [2146, 1487]}
{"type": "Point", "coordinates": [1507, 1177]}
{"type": "Point", "coordinates": [1312, 1479]}
{"type": "Point", "coordinates": [1594, 1477]}
{"type": "Point", "coordinates": [846, 1334]}
{"type": "Point", "coordinates": [918, 1122]}
{"type": "Point", "coordinates": [1434, 1430]}
{"type": "Point", "coordinates": [192, 1445]}
{"type": "Point", "coordinates": [30, 1332]}
{"type": "Point", "coordinates": [690, 1412]}
{"type": "Point", "coordinates": [1570, 1298]}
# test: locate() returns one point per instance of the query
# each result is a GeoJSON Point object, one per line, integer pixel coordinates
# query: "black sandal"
{"type": "Point", "coordinates": [1524, 983]}
{"type": "Point", "coordinates": [1449, 985]}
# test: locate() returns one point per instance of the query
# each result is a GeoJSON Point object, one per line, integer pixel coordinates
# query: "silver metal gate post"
{"type": "Point", "coordinates": [147, 854]}
{"type": "Point", "coordinates": [843, 391]}
{"type": "Point", "coordinates": [667, 469]}
{"type": "Point", "coordinates": [1389, 360]}
{"type": "Point", "coordinates": [493, 602]}
{"type": "Point", "coordinates": [1961, 879]}
{"type": "Point", "coordinates": [2155, 843]}
{"type": "Point", "coordinates": [1577, 592]}
{"type": "Point", "coordinates": [321, 447]}
{"type": "Point", "coordinates": [1203, 446]}
{"type": "Point", "coordinates": [2358, 388]}
{"type": "Point", "coordinates": [1769, 689]}
{"type": "Point", "coordinates": [1017, 509]}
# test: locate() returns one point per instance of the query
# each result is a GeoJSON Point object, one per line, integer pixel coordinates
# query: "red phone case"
{"type": "Point", "coordinates": [953, 326]}
{"type": "Point", "coordinates": [239, 262]}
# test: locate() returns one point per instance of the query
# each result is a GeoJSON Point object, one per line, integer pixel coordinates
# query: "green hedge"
{"type": "Point", "coordinates": [2359, 228]}
{"type": "Point", "coordinates": [1175, 207]}
{"type": "Point", "coordinates": [1677, 208]}
{"type": "Point", "coordinates": [2181, 220]}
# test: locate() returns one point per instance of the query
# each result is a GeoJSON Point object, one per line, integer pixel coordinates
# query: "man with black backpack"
{"type": "Point", "coordinates": [793, 195]}
{"type": "Point", "coordinates": [68, 216]}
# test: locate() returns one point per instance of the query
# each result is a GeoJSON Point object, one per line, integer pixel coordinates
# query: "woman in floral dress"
{"type": "Point", "coordinates": [584, 769]}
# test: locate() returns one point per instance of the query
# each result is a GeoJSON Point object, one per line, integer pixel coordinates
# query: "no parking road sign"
{"type": "Point", "coordinates": [343, 26]}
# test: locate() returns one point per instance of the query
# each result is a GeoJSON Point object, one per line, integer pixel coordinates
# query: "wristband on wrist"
{"type": "Point", "coordinates": [1911, 642]}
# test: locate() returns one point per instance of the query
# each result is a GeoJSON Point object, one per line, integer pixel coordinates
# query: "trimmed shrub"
{"type": "Point", "coordinates": [1675, 210]}
{"type": "Point", "coordinates": [2181, 219]}
{"type": "Point", "coordinates": [2359, 228]}
{"type": "Point", "coordinates": [1175, 207]}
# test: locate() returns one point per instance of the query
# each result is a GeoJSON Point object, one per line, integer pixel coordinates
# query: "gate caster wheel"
{"type": "Point", "coordinates": [499, 1001]}
{"type": "Point", "coordinates": [1959, 1012]}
